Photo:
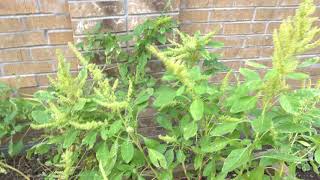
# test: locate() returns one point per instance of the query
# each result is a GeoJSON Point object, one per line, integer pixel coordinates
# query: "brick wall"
{"type": "Point", "coordinates": [31, 30]}
{"type": "Point", "coordinates": [245, 26]}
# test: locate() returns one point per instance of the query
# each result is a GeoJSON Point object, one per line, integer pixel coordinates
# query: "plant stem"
{"type": "Point", "coordinates": [14, 169]}
{"type": "Point", "coordinates": [137, 143]}
{"type": "Point", "coordinates": [185, 171]}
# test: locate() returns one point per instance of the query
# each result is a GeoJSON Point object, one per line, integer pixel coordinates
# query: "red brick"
{"type": "Point", "coordinates": [60, 37]}
{"type": "Point", "coordinates": [94, 9]}
{"type": "Point", "coordinates": [202, 27]}
{"type": "Point", "coordinates": [27, 68]}
{"type": "Point", "coordinates": [231, 15]}
{"type": "Point", "coordinates": [109, 25]}
{"type": "Point", "coordinates": [22, 39]}
{"type": "Point", "coordinates": [49, 53]}
{"type": "Point", "coordinates": [10, 55]}
{"type": "Point", "coordinates": [134, 21]}
{"type": "Point", "coordinates": [19, 82]}
{"type": "Point", "coordinates": [194, 16]}
{"type": "Point", "coordinates": [237, 28]}
{"type": "Point", "coordinates": [152, 6]}
{"type": "Point", "coordinates": [8, 7]}
{"type": "Point", "coordinates": [11, 25]}
{"type": "Point", "coordinates": [48, 22]}
{"type": "Point", "coordinates": [273, 13]}
{"type": "Point", "coordinates": [53, 6]}
{"type": "Point", "coordinates": [259, 41]}
{"type": "Point", "coordinates": [230, 41]}
{"type": "Point", "coordinates": [236, 53]}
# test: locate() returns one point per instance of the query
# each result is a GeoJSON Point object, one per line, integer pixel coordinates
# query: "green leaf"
{"type": "Point", "coordinates": [164, 96]}
{"type": "Point", "coordinates": [261, 124]}
{"type": "Point", "coordinates": [290, 127]}
{"type": "Point", "coordinates": [297, 76]}
{"type": "Point", "coordinates": [90, 139]}
{"type": "Point", "coordinates": [151, 143]}
{"type": "Point", "coordinates": [157, 158]}
{"type": "Point", "coordinates": [40, 117]}
{"type": "Point", "coordinates": [286, 104]}
{"type": "Point", "coordinates": [235, 159]}
{"type": "Point", "coordinates": [164, 122]}
{"type": "Point", "coordinates": [197, 109]}
{"type": "Point", "coordinates": [215, 44]}
{"type": "Point", "coordinates": [215, 146]}
{"type": "Point", "coordinates": [15, 148]}
{"type": "Point", "coordinates": [181, 157]}
{"type": "Point", "coordinates": [282, 156]}
{"type": "Point", "coordinates": [144, 96]}
{"type": "Point", "coordinates": [308, 62]}
{"type": "Point", "coordinates": [102, 153]}
{"type": "Point", "coordinates": [70, 138]}
{"type": "Point", "coordinates": [249, 74]}
{"type": "Point", "coordinates": [224, 128]}
{"type": "Point", "coordinates": [244, 104]}
{"type": "Point", "coordinates": [162, 39]}
{"type": "Point", "coordinates": [317, 156]}
{"type": "Point", "coordinates": [169, 156]}
{"type": "Point", "coordinates": [190, 130]}
{"type": "Point", "coordinates": [208, 169]}
{"type": "Point", "coordinates": [198, 161]}
{"type": "Point", "coordinates": [80, 104]}
{"type": "Point", "coordinates": [256, 65]}
{"type": "Point", "coordinates": [115, 128]}
{"type": "Point", "coordinates": [127, 151]}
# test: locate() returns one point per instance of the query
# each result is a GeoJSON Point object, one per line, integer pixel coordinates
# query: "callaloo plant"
{"type": "Point", "coordinates": [14, 113]}
{"type": "Point", "coordinates": [133, 60]}
{"type": "Point", "coordinates": [255, 129]}
{"type": "Point", "coordinates": [90, 125]}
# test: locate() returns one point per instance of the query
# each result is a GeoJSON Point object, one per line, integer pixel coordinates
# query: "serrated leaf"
{"type": "Point", "coordinates": [244, 104]}
{"type": "Point", "coordinates": [190, 130]}
{"type": "Point", "coordinates": [127, 151]}
{"type": "Point", "coordinates": [197, 109]}
{"type": "Point", "coordinates": [235, 159]}
{"type": "Point", "coordinates": [157, 159]}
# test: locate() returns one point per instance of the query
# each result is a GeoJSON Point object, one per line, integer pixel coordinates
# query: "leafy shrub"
{"type": "Point", "coordinates": [14, 115]}
{"type": "Point", "coordinates": [240, 128]}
